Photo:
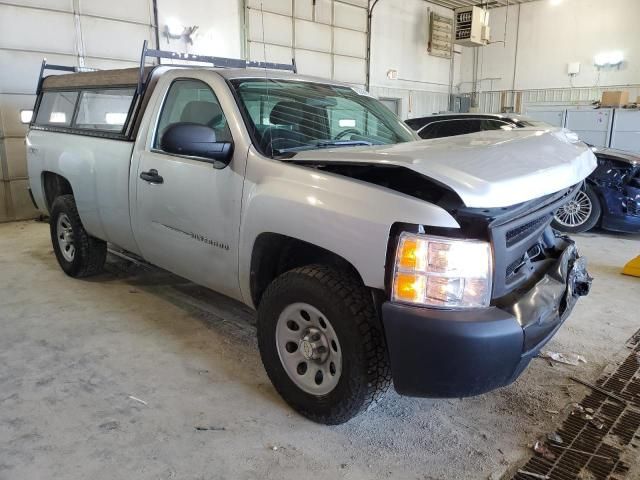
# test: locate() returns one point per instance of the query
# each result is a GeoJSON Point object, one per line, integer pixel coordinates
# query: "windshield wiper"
{"type": "Point", "coordinates": [342, 143]}
{"type": "Point", "coordinates": [326, 144]}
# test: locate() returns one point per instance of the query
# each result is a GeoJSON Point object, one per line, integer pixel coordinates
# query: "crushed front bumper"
{"type": "Point", "coordinates": [460, 353]}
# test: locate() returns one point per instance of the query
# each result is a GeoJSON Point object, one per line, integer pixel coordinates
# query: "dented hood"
{"type": "Point", "coordinates": [486, 169]}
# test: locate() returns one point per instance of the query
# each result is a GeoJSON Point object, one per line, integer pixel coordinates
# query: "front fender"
{"type": "Point", "coordinates": [348, 217]}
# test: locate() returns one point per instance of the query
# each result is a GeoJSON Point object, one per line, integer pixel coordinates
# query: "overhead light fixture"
{"type": "Point", "coordinates": [26, 116]}
{"type": "Point", "coordinates": [608, 59]}
{"type": "Point", "coordinates": [58, 117]}
{"type": "Point", "coordinates": [173, 28]}
{"type": "Point", "coordinates": [555, 2]}
{"type": "Point", "coordinates": [115, 118]}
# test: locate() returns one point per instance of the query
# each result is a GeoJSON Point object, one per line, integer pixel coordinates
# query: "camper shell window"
{"type": "Point", "coordinates": [56, 109]}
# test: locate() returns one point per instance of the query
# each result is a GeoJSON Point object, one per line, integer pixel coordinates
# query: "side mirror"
{"type": "Point", "coordinates": [194, 139]}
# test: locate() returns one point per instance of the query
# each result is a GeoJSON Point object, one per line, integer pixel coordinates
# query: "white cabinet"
{"type": "Point", "coordinates": [593, 126]}
{"type": "Point", "coordinates": [625, 134]}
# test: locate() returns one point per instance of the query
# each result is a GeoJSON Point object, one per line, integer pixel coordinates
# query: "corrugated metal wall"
{"type": "Point", "coordinates": [86, 33]}
{"type": "Point", "coordinates": [327, 38]}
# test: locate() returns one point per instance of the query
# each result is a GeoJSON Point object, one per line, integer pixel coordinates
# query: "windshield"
{"type": "Point", "coordinates": [288, 116]}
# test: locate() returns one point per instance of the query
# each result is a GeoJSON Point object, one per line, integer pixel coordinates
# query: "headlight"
{"type": "Point", "coordinates": [442, 272]}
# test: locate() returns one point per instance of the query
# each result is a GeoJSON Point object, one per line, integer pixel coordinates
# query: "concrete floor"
{"type": "Point", "coordinates": [108, 378]}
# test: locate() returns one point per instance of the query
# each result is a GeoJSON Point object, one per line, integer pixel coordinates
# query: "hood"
{"type": "Point", "coordinates": [487, 169]}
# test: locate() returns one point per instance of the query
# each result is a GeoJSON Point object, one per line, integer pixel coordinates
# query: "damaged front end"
{"type": "Point", "coordinates": [538, 277]}
{"type": "Point", "coordinates": [617, 183]}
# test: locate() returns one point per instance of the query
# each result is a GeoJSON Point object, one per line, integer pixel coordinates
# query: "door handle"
{"type": "Point", "coordinates": [152, 176]}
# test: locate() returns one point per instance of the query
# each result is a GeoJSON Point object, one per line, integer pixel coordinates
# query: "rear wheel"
{"type": "Point", "coordinates": [322, 345]}
{"type": "Point", "coordinates": [78, 253]}
{"type": "Point", "coordinates": [580, 214]}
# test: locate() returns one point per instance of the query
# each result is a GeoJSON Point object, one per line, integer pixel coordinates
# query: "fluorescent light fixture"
{"type": "Point", "coordinates": [555, 2]}
{"type": "Point", "coordinates": [26, 116]}
{"type": "Point", "coordinates": [115, 118]}
{"type": "Point", "coordinates": [608, 58]}
{"type": "Point", "coordinates": [347, 123]}
{"type": "Point", "coordinates": [58, 117]}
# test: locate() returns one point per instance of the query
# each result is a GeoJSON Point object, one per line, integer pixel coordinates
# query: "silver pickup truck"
{"type": "Point", "coordinates": [370, 255]}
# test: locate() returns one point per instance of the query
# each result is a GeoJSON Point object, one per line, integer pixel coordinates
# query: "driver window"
{"type": "Point", "coordinates": [192, 101]}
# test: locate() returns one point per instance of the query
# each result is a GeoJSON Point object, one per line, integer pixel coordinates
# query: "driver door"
{"type": "Point", "coordinates": [186, 210]}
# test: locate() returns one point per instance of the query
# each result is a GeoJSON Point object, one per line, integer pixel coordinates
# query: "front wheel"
{"type": "Point", "coordinates": [78, 253]}
{"type": "Point", "coordinates": [579, 214]}
{"type": "Point", "coordinates": [322, 345]}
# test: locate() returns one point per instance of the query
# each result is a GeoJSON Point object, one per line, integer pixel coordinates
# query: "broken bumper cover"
{"type": "Point", "coordinates": [460, 353]}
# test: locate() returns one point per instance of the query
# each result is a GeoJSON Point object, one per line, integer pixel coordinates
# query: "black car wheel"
{"type": "Point", "coordinates": [580, 214]}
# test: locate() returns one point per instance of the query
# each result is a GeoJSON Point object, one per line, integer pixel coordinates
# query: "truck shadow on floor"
{"type": "Point", "coordinates": [233, 322]}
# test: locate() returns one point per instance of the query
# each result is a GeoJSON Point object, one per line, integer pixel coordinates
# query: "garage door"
{"type": "Point", "coordinates": [327, 38]}
{"type": "Point", "coordinates": [87, 33]}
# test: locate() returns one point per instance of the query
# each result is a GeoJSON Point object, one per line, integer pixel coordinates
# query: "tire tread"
{"type": "Point", "coordinates": [358, 300]}
{"type": "Point", "coordinates": [92, 252]}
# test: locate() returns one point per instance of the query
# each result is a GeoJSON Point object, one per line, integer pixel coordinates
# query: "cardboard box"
{"type": "Point", "coordinates": [614, 98]}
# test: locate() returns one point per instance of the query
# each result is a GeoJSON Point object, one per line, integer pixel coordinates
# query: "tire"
{"type": "Point", "coordinates": [364, 373]}
{"type": "Point", "coordinates": [78, 253]}
{"type": "Point", "coordinates": [584, 199]}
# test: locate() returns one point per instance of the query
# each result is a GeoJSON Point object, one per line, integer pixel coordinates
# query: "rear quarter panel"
{"type": "Point", "coordinates": [98, 171]}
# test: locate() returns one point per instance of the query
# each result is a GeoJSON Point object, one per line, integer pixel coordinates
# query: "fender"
{"type": "Point", "coordinates": [348, 217]}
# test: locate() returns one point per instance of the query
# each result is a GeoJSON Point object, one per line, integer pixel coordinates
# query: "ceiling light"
{"type": "Point", "coordinates": [115, 118]}
{"type": "Point", "coordinates": [555, 2]}
{"type": "Point", "coordinates": [608, 58]}
{"type": "Point", "coordinates": [58, 117]}
{"type": "Point", "coordinates": [25, 116]}
{"type": "Point", "coordinates": [174, 28]}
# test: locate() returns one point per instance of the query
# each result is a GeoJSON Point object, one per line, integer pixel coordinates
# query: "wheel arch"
{"type": "Point", "coordinates": [275, 253]}
{"type": "Point", "coordinates": [54, 185]}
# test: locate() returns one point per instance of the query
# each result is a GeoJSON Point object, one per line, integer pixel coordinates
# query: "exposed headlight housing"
{"type": "Point", "coordinates": [442, 272]}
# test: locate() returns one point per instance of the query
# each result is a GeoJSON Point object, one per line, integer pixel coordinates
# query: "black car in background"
{"type": "Point", "coordinates": [611, 195]}
{"type": "Point", "coordinates": [449, 125]}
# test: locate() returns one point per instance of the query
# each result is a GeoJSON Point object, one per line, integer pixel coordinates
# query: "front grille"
{"type": "Point", "coordinates": [531, 254]}
{"type": "Point", "coordinates": [521, 232]}
{"type": "Point", "coordinates": [597, 445]}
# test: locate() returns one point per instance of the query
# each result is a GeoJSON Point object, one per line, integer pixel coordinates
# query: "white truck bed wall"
{"type": "Point", "coordinates": [98, 171]}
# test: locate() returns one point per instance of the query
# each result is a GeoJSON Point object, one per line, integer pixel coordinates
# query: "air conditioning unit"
{"type": "Point", "coordinates": [471, 26]}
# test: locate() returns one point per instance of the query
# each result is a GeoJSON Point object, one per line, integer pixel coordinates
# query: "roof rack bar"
{"type": "Point", "coordinates": [59, 68]}
{"type": "Point", "coordinates": [220, 62]}
{"type": "Point", "coordinates": [143, 56]}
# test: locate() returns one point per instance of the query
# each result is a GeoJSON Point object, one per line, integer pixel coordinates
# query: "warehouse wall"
{"type": "Point", "coordinates": [550, 36]}
{"type": "Point", "coordinates": [399, 42]}
{"type": "Point", "coordinates": [89, 33]}
{"type": "Point", "coordinates": [220, 26]}
{"type": "Point", "coordinates": [327, 37]}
